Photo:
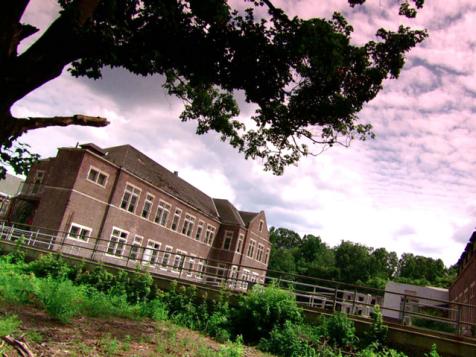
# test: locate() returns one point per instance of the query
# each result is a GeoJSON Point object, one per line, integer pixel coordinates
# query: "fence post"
{"type": "Point", "coordinates": [458, 320]}
{"type": "Point", "coordinates": [11, 232]}
{"type": "Point", "coordinates": [404, 308]}
{"type": "Point", "coordinates": [335, 300]}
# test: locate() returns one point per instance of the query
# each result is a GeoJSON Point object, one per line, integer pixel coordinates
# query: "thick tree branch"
{"type": "Point", "coordinates": [22, 125]}
{"type": "Point", "coordinates": [49, 55]}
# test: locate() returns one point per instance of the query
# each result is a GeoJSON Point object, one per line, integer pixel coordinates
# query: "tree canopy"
{"type": "Point", "coordinates": [350, 262]}
{"type": "Point", "coordinates": [306, 78]}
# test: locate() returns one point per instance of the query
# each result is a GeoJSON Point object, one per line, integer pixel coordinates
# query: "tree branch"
{"type": "Point", "coordinates": [22, 125]}
{"type": "Point", "coordinates": [11, 31]}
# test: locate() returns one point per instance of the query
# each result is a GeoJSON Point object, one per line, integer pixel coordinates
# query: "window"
{"type": "Point", "coordinates": [266, 256]}
{"type": "Point", "coordinates": [233, 276]}
{"type": "Point", "coordinates": [261, 223]}
{"type": "Point", "coordinates": [239, 244]}
{"type": "Point", "coordinates": [245, 277]}
{"type": "Point", "coordinates": [251, 248]}
{"type": "Point", "coordinates": [149, 201]}
{"type": "Point", "coordinates": [117, 242]}
{"type": "Point", "coordinates": [135, 248]}
{"type": "Point", "coordinates": [209, 235]}
{"type": "Point", "coordinates": [188, 223]}
{"type": "Point", "coordinates": [198, 235]}
{"type": "Point", "coordinates": [176, 219]}
{"type": "Point", "coordinates": [151, 253]}
{"type": "Point", "coordinates": [227, 240]}
{"type": "Point", "coordinates": [178, 260]}
{"type": "Point", "coordinates": [166, 257]}
{"type": "Point", "coordinates": [79, 232]}
{"type": "Point", "coordinates": [39, 177]}
{"type": "Point", "coordinates": [97, 176]}
{"type": "Point", "coordinates": [163, 210]}
{"type": "Point", "coordinates": [199, 272]}
{"type": "Point", "coordinates": [190, 266]}
{"type": "Point", "coordinates": [130, 198]}
{"type": "Point", "coordinates": [259, 253]}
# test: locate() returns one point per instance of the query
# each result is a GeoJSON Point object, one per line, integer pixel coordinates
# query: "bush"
{"type": "Point", "coordinates": [287, 341]}
{"type": "Point", "coordinates": [60, 298]}
{"type": "Point", "coordinates": [262, 310]}
{"type": "Point", "coordinates": [339, 330]}
{"type": "Point", "coordinates": [155, 309]}
{"type": "Point", "coordinates": [16, 288]}
{"type": "Point", "coordinates": [49, 265]}
{"type": "Point", "coordinates": [185, 308]}
{"type": "Point", "coordinates": [8, 325]}
{"type": "Point", "coordinates": [377, 333]}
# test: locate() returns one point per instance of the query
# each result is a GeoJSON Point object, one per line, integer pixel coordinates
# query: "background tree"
{"type": "Point", "coordinates": [306, 78]}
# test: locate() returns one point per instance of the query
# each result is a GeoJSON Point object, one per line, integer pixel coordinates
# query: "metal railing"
{"type": "Point", "coordinates": [312, 293]}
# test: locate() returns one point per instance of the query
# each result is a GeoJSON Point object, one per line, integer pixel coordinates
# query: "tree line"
{"type": "Point", "coordinates": [353, 263]}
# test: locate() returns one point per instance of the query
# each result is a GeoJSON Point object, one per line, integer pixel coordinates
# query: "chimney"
{"type": "Point", "coordinates": [176, 173]}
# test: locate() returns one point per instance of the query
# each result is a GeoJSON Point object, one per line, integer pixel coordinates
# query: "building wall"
{"type": "Point", "coordinates": [71, 198]}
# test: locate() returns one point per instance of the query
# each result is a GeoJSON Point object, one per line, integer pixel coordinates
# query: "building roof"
{"type": "Point", "coordinates": [10, 185]}
{"type": "Point", "coordinates": [248, 216]}
{"type": "Point", "coordinates": [131, 159]}
{"type": "Point", "coordinates": [467, 250]}
{"type": "Point", "coordinates": [228, 213]}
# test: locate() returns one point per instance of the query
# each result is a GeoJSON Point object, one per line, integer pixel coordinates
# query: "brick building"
{"type": "Point", "coordinates": [119, 206]}
{"type": "Point", "coordinates": [463, 289]}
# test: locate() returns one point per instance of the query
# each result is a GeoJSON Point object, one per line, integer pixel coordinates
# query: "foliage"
{"type": "Point", "coordinates": [339, 330]}
{"type": "Point", "coordinates": [377, 333]}
{"type": "Point", "coordinates": [233, 349]}
{"type": "Point", "coordinates": [307, 78]}
{"type": "Point", "coordinates": [433, 352]}
{"type": "Point", "coordinates": [262, 310]}
{"type": "Point", "coordinates": [61, 299]}
{"type": "Point", "coordinates": [50, 265]}
{"type": "Point", "coordinates": [8, 325]}
{"type": "Point", "coordinates": [287, 341]}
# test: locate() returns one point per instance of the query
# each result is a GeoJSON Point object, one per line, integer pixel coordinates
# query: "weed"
{"type": "Point", "coordinates": [8, 325]}
{"type": "Point", "coordinates": [34, 336]}
{"type": "Point", "coordinates": [109, 345]}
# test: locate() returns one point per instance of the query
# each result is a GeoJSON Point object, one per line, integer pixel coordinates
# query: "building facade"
{"type": "Point", "coordinates": [9, 187]}
{"type": "Point", "coordinates": [463, 289]}
{"type": "Point", "coordinates": [119, 206]}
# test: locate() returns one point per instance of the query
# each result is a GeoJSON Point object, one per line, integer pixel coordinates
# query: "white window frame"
{"type": "Point", "coordinates": [233, 275]}
{"type": "Point", "coordinates": [239, 243]}
{"type": "Point", "coordinates": [39, 178]}
{"type": "Point", "coordinates": [136, 244]}
{"type": "Point", "coordinates": [199, 232]}
{"type": "Point", "coordinates": [99, 172]}
{"type": "Point", "coordinates": [245, 276]}
{"type": "Point", "coordinates": [191, 265]}
{"type": "Point", "coordinates": [177, 215]}
{"type": "Point", "coordinates": [164, 208]}
{"type": "Point", "coordinates": [181, 254]}
{"type": "Point", "coordinates": [188, 223]}
{"type": "Point", "coordinates": [200, 267]}
{"type": "Point", "coordinates": [81, 229]}
{"type": "Point", "coordinates": [149, 251]}
{"type": "Point", "coordinates": [251, 248]}
{"type": "Point", "coordinates": [227, 237]}
{"type": "Point", "coordinates": [210, 234]}
{"type": "Point", "coordinates": [132, 194]}
{"type": "Point", "coordinates": [260, 252]}
{"type": "Point", "coordinates": [266, 256]}
{"type": "Point", "coordinates": [149, 199]}
{"type": "Point", "coordinates": [119, 239]}
{"type": "Point", "coordinates": [167, 252]}
{"type": "Point", "coordinates": [261, 225]}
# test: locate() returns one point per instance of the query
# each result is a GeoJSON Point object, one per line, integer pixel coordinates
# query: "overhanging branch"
{"type": "Point", "coordinates": [24, 124]}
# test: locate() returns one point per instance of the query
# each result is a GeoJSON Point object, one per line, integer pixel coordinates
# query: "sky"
{"type": "Point", "coordinates": [412, 189]}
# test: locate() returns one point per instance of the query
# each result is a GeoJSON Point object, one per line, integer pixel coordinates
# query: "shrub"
{"type": "Point", "coordinates": [49, 265]}
{"type": "Point", "coordinates": [262, 310]}
{"type": "Point", "coordinates": [16, 288]}
{"type": "Point", "coordinates": [339, 330]}
{"type": "Point", "coordinates": [155, 309]}
{"type": "Point", "coordinates": [287, 341]}
{"type": "Point", "coordinates": [433, 352]}
{"type": "Point", "coordinates": [377, 333]}
{"type": "Point", "coordinates": [233, 349]}
{"type": "Point", "coordinates": [185, 308]}
{"type": "Point", "coordinates": [9, 325]}
{"type": "Point", "coordinates": [60, 298]}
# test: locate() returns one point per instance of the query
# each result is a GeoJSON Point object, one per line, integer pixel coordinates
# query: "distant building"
{"type": "Point", "coordinates": [402, 302]}
{"type": "Point", "coordinates": [141, 211]}
{"type": "Point", "coordinates": [463, 289]}
{"type": "Point", "coordinates": [8, 188]}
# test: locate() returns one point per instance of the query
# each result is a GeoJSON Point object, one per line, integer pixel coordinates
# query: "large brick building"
{"type": "Point", "coordinates": [119, 206]}
{"type": "Point", "coordinates": [463, 289]}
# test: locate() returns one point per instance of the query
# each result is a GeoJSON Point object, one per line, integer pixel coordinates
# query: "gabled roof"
{"type": "Point", "coordinates": [131, 159]}
{"type": "Point", "coordinates": [248, 216]}
{"type": "Point", "coordinates": [10, 185]}
{"type": "Point", "coordinates": [228, 213]}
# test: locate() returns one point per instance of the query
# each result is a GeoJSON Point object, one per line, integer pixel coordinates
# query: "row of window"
{"type": "Point", "coordinates": [204, 232]}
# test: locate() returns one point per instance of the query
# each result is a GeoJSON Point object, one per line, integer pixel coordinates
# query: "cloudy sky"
{"type": "Point", "coordinates": [412, 189]}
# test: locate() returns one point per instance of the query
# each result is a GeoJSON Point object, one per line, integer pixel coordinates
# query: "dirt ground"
{"type": "Point", "coordinates": [86, 336]}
